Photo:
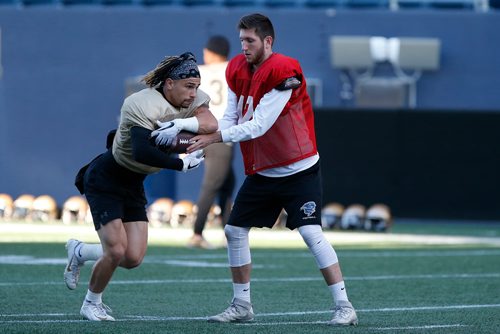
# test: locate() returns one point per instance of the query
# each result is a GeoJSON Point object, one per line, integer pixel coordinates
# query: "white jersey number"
{"type": "Point", "coordinates": [249, 110]}
{"type": "Point", "coordinates": [218, 92]}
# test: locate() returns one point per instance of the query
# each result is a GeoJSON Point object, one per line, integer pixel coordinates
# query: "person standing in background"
{"type": "Point", "coordinates": [218, 178]}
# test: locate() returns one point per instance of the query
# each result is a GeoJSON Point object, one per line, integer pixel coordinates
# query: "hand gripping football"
{"type": "Point", "coordinates": [180, 143]}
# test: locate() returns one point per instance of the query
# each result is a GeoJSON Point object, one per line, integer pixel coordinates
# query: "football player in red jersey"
{"type": "Point", "coordinates": [270, 114]}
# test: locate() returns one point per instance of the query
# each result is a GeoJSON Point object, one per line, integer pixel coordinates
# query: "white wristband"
{"type": "Point", "coordinates": [188, 124]}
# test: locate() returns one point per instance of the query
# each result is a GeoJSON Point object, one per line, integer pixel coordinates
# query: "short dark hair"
{"type": "Point", "coordinates": [219, 45]}
{"type": "Point", "coordinates": [261, 23]}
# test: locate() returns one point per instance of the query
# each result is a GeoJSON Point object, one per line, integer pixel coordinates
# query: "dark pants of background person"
{"type": "Point", "coordinates": [218, 179]}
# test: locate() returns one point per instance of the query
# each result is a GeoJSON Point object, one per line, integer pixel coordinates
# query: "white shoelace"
{"type": "Point", "coordinates": [74, 266]}
{"type": "Point", "coordinates": [342, 312]}
{"type": "Point", "coordinates": [231, 310]}
{"type": "Point", "coordinates": [100, 310]}
{"type": "Point", "coordinates": [106, 308]}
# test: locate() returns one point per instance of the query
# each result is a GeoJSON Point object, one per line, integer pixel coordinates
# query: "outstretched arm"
{"type": "Point", "coordinates": [267, 112]}
{"type": "Point", "coordinates": [202, 122]}
{"type": "Point", "coordinates": [207, 123]}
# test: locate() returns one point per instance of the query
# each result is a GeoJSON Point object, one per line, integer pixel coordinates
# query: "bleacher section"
{"type": "Point", "coordinates": [65, 68]}
{"type": "Point", "coordinates": [479, 5]}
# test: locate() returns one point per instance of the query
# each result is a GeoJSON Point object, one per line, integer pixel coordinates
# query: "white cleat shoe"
{"type": "Point", "coordinates": [344, 315]}
{"type": "Point", "coordinates": [238, 311]}
{"type": "Point", "coordinates": [96, 312]}
{"type": "Point", "coordinates": [72, 270]}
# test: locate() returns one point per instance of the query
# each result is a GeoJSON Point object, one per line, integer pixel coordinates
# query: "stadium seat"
{"type": "Point", "coordinates": [155, 3]}
{"type": "Point", "coordinates": [281, 3]}
{"type": "Point", "coordinates": [452, 4]}
{"type": "Point", "coordinates": [367, 3]}
{"type": "Point", "coordinates": [38, 2]}
{"type": "Point", "coordinates": [323, 3]}
{"type": "Point", "coordinates": [412, 3]}
{"type": "Point", "coordinates": [198, 2]}
{"type": "Point", "coordinates": [9, 2]}
{"type": "Point", "coordinates": [495, 4]}
{"type": "Point", "coordinates": [117, 2]}
{"type": "Point", "coordinates": [79, 2]}
{"type": "Point", "coordinates": [239, 3]}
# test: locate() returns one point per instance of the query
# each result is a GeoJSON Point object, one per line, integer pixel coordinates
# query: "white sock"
{"type": "Point", "coordinates": [94, 298]}
{"type": "Point", "coordinates": [242, 291]}
{"type": "Point", "coordinates": [88, 252]}
{"type": "Point", "coordinates": [339, 292]}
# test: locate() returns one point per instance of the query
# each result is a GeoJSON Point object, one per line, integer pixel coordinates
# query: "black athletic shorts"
{"type": "Point", "coordinates": [260, 200]}
{"type": "Point", "coordinates": [114, 192]}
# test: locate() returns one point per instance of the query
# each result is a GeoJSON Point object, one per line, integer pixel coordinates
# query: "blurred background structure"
{"type": "Point", "coordinates": [405, 92]}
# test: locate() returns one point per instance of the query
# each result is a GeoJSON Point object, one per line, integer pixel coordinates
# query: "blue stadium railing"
{"type": "Point", "coordinates": [481, 5]}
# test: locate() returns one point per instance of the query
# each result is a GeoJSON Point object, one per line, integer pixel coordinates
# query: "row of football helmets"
{"type": "Point", "coordinates": [163, 211]}
{"type": "Point", "coordinates": [28, 207]}
{"type": "Point", "coordinates": [43, 208]}
{"type": "Point", "coordinates": [376, 218]}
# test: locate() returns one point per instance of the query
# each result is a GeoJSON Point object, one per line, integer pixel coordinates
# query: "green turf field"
{"type": "Point", "coordinates": [421, 278]}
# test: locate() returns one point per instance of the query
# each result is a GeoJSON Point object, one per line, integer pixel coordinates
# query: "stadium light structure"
{"type": "Point", "coordinates": [357, 58]}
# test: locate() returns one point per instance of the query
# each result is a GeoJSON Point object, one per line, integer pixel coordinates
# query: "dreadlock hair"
{"type": "Point", "coordinates": [164, 69]}
{"type": "Point", "coordinates": [261, 23]}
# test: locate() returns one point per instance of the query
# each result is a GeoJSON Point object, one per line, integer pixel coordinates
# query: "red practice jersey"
{"type": "Point", "coordinates": [292, 137]}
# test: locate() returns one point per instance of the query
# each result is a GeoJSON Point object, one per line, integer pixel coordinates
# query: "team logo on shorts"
{"type": "Point", "coordinates": [309, 208]}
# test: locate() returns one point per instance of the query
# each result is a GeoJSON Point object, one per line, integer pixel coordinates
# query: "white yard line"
{"type": "Point", "coordinates": [258, 321]}
{"type": "Point", "coordinates": [250, 324]}
{"type": "Point", "coordinates": [58, 232]}
{"type": "Point", "coordinates": [194, 260]}
{"type": "Point", "coordinates": [276, 279]}
{"type": "Point", "coordinates": [418, 327]}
